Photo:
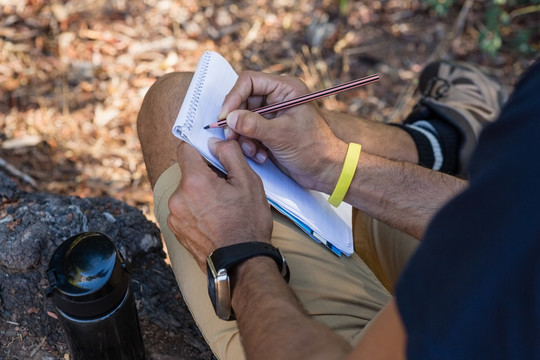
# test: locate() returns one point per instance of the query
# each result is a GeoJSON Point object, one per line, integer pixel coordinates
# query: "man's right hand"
{"type": "Point", "coordinates": [298, 138]}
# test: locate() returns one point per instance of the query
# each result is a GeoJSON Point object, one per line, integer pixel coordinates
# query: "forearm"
{"type": "Point", "coordinates": [272, 323]}
{"type": "Point", "coordinates": [375, 137]}
{"type": "Point", "coordinates": [404, 195]}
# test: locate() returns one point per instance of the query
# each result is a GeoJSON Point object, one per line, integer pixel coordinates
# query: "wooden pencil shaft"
{"type": "Point", "coordinates": [317, 95]}
{"type": "Point", "coordinates": [306, 98]}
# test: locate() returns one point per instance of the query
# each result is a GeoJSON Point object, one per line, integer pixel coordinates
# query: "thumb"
{"type": "Point", "coordinates": [189, 159]}
{"type": "Point", "coordinates": [231, 157]}
{"type": "Point", "coordinates": [250, 124]}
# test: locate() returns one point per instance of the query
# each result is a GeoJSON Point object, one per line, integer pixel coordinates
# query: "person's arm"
{"type": "Point", "coordinates": [273, 325]}
{"type": "Point", "coordinates": [385, 338]}
{"type": "Point", "coordinates": [208, 212]}
{"type": "Point", "coordinates": [404, 195]}
{"type": "Point", "coordinates": [377, 138]}
{"type": "Point", "coordinates": [299, 139]}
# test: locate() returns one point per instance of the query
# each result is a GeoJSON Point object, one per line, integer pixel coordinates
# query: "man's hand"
{"type": "Point", "coordinates": [208, 211]}
{"type": "Point", "coordinates": [298, 139]}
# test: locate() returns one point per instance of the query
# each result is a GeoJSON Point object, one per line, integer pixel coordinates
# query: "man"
{"type": "Point", "coordinates": [335, 307]}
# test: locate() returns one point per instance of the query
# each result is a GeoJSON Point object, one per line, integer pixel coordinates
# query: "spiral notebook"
{"type": "Point", "coordinates": [310, 210]}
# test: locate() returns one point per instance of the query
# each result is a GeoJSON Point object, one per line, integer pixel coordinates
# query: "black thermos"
{"type": "Point", "coordinates": [94, 302]}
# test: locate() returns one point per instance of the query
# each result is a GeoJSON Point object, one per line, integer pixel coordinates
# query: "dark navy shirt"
{"type": "Point", "coordinates": [472, 290]}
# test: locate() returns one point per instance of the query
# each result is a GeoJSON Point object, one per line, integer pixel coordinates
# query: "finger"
{"type": "Point", "coordinates": [254, 102]}
{"type": "Point", "coordinates": [190, 160]}
{"type": "Point", "coordinates": [255, 89]}
{"type": "Point", "coordinates": [229, 133]}
{"type": "Point", "coordinates": [253, 149]}
{"type": "Point", "coordinates": [231, 157]}
{"type": "Point", "coordinates": [238, 96]}
{"type": "Point", "coordinates": [248, 146]}
{"type": "Point", "coordinates": [252, 125]}
{"type": "Point", "coordinates": [261, 156]}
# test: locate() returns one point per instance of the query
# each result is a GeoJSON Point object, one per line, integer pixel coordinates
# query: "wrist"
{"type": "Point", "coordinates": [252, 276]}
{"type": "Point", "coordinates": [347, 174]}
{"type": "Point", "coordinates": [225, 264]}
{"type": "Point", "coordinates": [331, 168]}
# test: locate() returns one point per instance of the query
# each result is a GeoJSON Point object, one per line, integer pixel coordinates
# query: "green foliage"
{"type": "Point", "coordinates": [489, 41]}
{"type": "Point", "coordinates": [441, 7]}
{"type": "Point", "coordinates": [498, 19]}
{"type": "Point", "coordinates": [343, 6]}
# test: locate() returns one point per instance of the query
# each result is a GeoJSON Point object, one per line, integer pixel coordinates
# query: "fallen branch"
{"type": "Point", "coordinates": [17, 173]}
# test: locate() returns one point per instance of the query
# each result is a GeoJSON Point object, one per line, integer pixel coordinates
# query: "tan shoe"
{"type": "Point", "coordinates": [462, 95]}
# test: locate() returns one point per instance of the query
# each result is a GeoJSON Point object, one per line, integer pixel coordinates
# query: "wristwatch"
{"type": "Point", "coordinates": [222, 260]}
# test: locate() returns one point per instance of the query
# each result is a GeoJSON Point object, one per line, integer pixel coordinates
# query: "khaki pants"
{"type": "Point", "coordinates": [342, 293]}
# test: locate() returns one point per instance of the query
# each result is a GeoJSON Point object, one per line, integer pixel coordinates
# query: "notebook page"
{"type": "Point", "coordinates": [212, 81]}
{"type": "Point", "coordinates": [310, 206]}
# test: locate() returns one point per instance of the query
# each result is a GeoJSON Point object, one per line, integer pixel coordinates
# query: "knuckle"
{"type": "Point", "coordinates": [229, 147]}
{"type": "Point", "coordinates": [247, 74]}
{"type": "Point", "coordinates": [247, 125]}
{"type": "Point", "coordinates": [235, 98]}
{"type": "Point", "coordinates": [175, 205]}
{"type": "Point", "coordinates": [190, 185]}
{"type": "Point", "coordinates": [245, 78]}
{"type": "Point", "coordinates": [296, 85]}
{"type": "Point", "coordinates": [181, 151]}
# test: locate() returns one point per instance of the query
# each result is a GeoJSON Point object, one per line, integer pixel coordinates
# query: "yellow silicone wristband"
{"type": "Point", "coordinates": [347, 174]}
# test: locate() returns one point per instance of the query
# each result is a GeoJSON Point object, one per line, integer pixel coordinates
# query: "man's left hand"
{"type": "Point", "coordinates": [208, 212]}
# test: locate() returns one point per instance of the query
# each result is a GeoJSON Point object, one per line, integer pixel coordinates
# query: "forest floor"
{"type": "Point", "coordinates": [73, 74]}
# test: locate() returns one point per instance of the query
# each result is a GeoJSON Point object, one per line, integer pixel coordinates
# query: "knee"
{"type": "Point", "coordinates": [162, 101]}
{"type": "Point", "coordinates": [171, 82]}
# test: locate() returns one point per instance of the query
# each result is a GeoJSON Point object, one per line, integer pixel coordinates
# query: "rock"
{"type": "Point", "coordinates": [32, 225]}
{"type": "Point", "coordinates": [8, 189]}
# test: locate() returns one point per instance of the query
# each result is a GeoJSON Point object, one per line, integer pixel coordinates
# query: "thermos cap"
{"type": "Point", "coordinates": [87, 275]}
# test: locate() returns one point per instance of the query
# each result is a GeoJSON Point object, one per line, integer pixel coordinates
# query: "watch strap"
{"type": "Point", "coordinates": [228, 256]}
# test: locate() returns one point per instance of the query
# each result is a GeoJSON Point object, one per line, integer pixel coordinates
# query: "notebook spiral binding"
{"type": "Point", "coordinates": [197, 91]}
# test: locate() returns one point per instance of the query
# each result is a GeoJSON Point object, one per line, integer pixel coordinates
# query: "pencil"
{"type": "Point", "coordinates": [305, 98]}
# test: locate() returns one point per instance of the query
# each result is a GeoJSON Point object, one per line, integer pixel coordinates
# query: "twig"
{"type": "Point", "coordinates": [402, 102]}
{"type": "Point", "coordinates": [524, 11]}
{"type": "Point", "coordinates": [362, 49]}
{"type": "Point", "coordinates": [17, 173]}
{"type": "Point", "coordinates": [38, 346]}
{"type": "Point", "coordinates": [439, 53]}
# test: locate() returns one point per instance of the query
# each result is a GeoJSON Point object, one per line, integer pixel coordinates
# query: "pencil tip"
{"type": "Point", "coordinates": [207, 127]}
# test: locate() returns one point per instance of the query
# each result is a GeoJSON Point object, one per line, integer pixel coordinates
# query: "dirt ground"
{"type": "Point", "coordinates": [73, 73]}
